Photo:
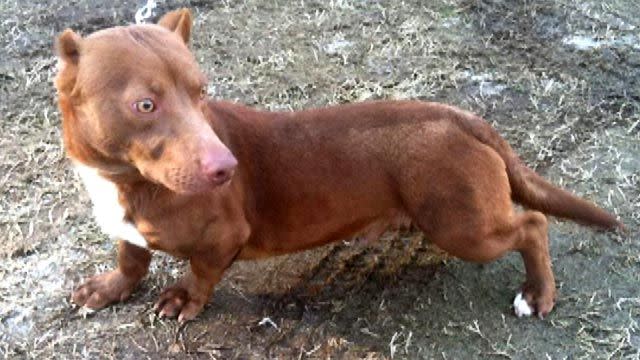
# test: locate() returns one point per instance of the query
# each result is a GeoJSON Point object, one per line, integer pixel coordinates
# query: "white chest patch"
{"type": "Point", "coordinates": [108, 212]}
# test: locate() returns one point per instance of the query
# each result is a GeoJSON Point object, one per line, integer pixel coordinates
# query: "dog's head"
{"type": "Point", "coordinates": [133, 101]}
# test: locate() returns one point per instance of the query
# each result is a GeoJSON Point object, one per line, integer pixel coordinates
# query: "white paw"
{"type": "Point", "coordinates": [520, 306]}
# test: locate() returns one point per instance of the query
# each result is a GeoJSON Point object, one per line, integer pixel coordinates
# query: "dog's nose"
{"type": "Point", "coordinates": [218, 167]}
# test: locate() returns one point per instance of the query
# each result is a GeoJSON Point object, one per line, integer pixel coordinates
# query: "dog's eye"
{"type": "Point", "coordinates": [203, 92]}
{"type": "Point", "coordinates": [145, 106]}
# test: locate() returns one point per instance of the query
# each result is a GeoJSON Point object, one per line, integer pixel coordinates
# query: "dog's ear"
{"type": "Point", "coordinates": [68, 47]}
{"type": "Point", "coordinates": [178, 21]}
{"type": "Point", "coordinates": [68, 51]}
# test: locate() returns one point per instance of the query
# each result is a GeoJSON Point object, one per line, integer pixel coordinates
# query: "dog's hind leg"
{"type": "Point", "coordinates": [465, 208]}
{"type": "Point", "coordinates": [532, 241]}
{"type": "Point", "coordinates": [525, 233]}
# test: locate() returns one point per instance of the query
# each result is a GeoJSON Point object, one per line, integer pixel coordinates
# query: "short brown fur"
{"type": "Point", "coordinates": [303, 179]}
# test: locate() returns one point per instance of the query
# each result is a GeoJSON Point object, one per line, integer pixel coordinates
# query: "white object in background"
{"type": "Point", "coordinates": [145, 12]}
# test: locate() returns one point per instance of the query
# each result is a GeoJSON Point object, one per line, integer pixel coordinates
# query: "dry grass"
{"type": "Point", "coordinates": [559, 78]}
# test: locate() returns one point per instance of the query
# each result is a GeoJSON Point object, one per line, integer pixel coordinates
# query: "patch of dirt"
{"type": "Point", "coordinates": [560, 79]}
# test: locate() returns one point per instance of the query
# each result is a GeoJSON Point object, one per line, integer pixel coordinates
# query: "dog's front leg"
{"type": "Point", "coordinates": [190, 294]}
{"type": "Point", "coordinates": [116, 285]}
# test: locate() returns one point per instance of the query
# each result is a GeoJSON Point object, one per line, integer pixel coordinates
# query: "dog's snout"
{"type": "Point", "coordinates": [218, 167]}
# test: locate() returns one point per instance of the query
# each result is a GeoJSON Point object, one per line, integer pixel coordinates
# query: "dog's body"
{"type": "Point", "coordinates": [303, 179]}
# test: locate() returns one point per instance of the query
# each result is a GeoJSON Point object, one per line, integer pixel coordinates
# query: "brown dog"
{"type": "Point", "coordinates": [213, 182]}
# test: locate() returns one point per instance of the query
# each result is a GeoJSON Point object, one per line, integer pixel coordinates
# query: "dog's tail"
{"type": "Point", "coordinates": [529, 188]}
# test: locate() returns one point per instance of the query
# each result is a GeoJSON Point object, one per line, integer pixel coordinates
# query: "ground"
{"type": "Point", "coordinates": [560, 79]}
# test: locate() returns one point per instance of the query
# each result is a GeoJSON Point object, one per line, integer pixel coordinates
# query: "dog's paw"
{"type": "Point", "coordinates": [527, 304]}
{"type": "Point", "coordinates": [176, 301]}
{"type": "Point", "coordinates": [104, 289]}
{"type": "Point", "coordinates": [521, 307]}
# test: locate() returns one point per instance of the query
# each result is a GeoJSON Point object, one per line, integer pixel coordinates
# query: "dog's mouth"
{"type": "Point", "coordinates": [181, 181]}
{"type": "Point", "coordinates": [212, 171]}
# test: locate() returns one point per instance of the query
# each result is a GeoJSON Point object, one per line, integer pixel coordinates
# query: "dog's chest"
{"type": "Point", "coordinates": [107, 210]}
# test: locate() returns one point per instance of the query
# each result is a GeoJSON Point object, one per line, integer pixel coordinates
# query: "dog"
{"type": "Point", "coordinates": [213, 182]}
